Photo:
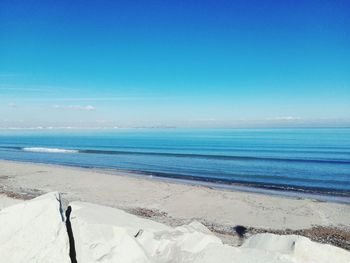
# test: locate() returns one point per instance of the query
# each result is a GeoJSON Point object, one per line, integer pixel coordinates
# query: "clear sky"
{"type": "Point", "coordinates": [174, 63]}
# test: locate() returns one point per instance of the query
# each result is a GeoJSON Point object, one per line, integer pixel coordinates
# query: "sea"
{"type": "Point", "coordinates": [297, 162]}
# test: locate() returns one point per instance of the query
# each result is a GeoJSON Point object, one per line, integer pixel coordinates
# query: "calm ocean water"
{"type": "Point", "coordinates": [300, 160]}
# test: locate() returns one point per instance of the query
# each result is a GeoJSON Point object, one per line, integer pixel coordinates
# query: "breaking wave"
{"type": "Point", "coordinates": [48, 150]}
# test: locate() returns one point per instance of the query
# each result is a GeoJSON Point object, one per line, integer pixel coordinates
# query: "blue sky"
{"type": "Point", "coordinates": [174, 63]}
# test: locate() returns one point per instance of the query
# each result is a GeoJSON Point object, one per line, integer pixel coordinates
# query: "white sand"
{"type": "Point", "coordinates": [179, 201]}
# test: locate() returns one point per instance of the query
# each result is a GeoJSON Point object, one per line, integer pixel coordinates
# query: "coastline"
{"type": "Point", "coordinates": [176, 203]}
{"type": "Point", "coordinates": [259, 188]}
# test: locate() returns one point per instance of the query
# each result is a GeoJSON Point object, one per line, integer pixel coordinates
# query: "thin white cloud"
{"type": "Point", "coordinates": [92, 99]}
{"type": "Point", "coordinates": [284, 118]}
{"type": "Point", "coordinates": [75, 107]}
{"type": "Point", "coordinates": [31, 88]}
{"type": "Point", "coordinates": [120, 98]}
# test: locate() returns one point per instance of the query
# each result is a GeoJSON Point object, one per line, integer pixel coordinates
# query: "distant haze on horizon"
{"type": "Point", "coordinates": [206, 64]}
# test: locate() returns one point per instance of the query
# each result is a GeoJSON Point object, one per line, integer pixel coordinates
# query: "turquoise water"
{"type": "Point", "coordinates": [299, 160]}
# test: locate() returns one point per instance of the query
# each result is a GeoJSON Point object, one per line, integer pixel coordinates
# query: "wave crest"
{"type": "Point", "coordinates": [48, 150]}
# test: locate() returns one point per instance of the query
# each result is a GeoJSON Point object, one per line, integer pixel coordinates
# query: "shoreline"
{"type": "Point", "coordinates": [176, 203]}
{"type": "Point", "coordinates": [257, 188]}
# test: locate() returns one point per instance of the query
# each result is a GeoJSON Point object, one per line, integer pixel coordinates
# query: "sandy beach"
{"type": "Point", "coordinates": [175, 203]}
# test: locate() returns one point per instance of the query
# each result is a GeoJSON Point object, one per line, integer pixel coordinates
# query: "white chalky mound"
{"type": "Point", "coordinates": [104, 234]}
{"type": "Point", "coordinates": [34, 231]}
{"type": "Point", "coordinates": [299, 248]}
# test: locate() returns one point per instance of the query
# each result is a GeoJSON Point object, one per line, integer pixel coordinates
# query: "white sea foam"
{"type": "Point", "coordinates": [48, 150]}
